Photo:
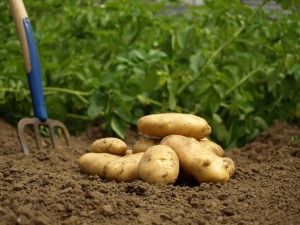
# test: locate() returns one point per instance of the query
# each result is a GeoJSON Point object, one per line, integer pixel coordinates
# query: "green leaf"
{"type": "Point", "coordinates": [183, 36]}
{"type": "Point", "coordinates": [97, 105]}
{"type": "Point", "coordinates": [107, 79]}
{"type": "Point", "coordinates": [173, 41]}
{"type": "Point", "coordinates": [217, 118]}
{"type": "Point", "coordinates": [150, 82]}
{"type": "Point", "coordinates": [172, 93]}
{"type": "Point", "coordinates": [236, 130]}
{"type": "Point", "coordinates": [123, 113]}
{"type": "Point", "coordinates": [269, 76]}
{"type": "Point", "coordinates": [196, 62]}
{"type": "Point", "coordinates": [2, 92]}
{"type": "Point", "coordinates": [94, 110]}
{"type": "Point", "coordinates": [289, 4]}
{"type": "Point", "coordinates": [138, 71]}
{"type": "Point", "coordinates": [290, 60]}
{"type": "Point", "coordinates": [203, 86]}
{"type": "Point", "coordinates": [121, 67]}
{"type": "Point", "coordinates": [219, 131]}
{"type": "Point", "coordinates": [20, 95]}
{"type": "Point", "coordinates": [119, 126]}
{"type": "Point", "coordinates": [260, 122]}
{"type": "Point", "coordinates": [296, 71]}
{"type": "Point", "coordinates": [139, 54]}
{"type": "Point", "coordinates": [125, 60]}
{"type": "Point", "coordinates": [213, 101]}
{"type": "Point", "coordinates": [154, 53]}
{"type": "Point", "coordinates": [59, 112]}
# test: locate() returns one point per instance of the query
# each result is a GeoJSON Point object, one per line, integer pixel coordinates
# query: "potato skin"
{"type": "Point", "coordinates": [164, 124]}
{"type": "Point", "coordinates": [143, 144]}
{"type": "Point", "coordinates": [212, 146]}
{"type": "Point", "coordinates": [111, 145]}
{"type": "Point", "coordinates": [202, 164]}
{"type": "Point", "coordinates": [129, 152]}
{"type": "Point", "coordinates": [231, 165]}
{"type": "Point", "coordinates": [123, 169]}
{"type": "Point", "coordinates": [94, 163]}
{"type": "Point", "coordinates": [159, 164]}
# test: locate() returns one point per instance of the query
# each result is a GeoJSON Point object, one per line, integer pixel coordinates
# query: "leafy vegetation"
{"type": "Point", "coordinates": [233, 65]}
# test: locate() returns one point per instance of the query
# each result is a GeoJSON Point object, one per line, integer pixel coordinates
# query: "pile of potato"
{"type": "Point", "coordinates": [170, 143]}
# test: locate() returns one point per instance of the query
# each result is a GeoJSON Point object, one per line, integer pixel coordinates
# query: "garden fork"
{"type": "Point", "coordinates": [33, 70]}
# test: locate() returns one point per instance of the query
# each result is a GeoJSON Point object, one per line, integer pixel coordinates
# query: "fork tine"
{"type": "Point", "coordinates": [52, 133]}
{"type": "Point", "coordinates": [36, 128]}
{"type": "Point", "coordinates": [56, 123]}
{"type": "Point", "coordinates": [36, 123]}
{"type": "Point", "coordinates": [21, 127]}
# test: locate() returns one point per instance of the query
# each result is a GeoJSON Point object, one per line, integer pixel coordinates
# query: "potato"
{"type": "Point", "coordinates": [159, 164]}
{"type": "Point", "coordinates": [212, 146]}
{"type": "Point", "coordinates": [230, 166]}
{"type": "Point", "coordinates": [109, 145]}
{"type": "Point", "coordinates": [143, 144]}
{"type": "Point", "coordinates": [202, 164]}
{"type": "Point", "coordinates": [123, 169]}
{"type": "Point", "coordinates": [93, 163]}
{"type": "Point", "coordinates": [162, 125]}
{"type": "Point", "coordinates": [128, 152]}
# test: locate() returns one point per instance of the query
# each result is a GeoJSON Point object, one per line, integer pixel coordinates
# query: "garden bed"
{"type": "Point", "coordinates": [46, 187]}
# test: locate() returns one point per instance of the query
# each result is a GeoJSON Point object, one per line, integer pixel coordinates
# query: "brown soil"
{"type": "Point", "coordinates": [46, 187]}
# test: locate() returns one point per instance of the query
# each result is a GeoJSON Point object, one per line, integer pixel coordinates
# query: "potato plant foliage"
{"type": "Point", "coordinates": [236, 66]}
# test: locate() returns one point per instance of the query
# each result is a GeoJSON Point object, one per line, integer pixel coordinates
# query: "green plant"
{"type": "Point", "coordinates": [294, 139]}
{"type": "Point", "coordinates": [236, 66]}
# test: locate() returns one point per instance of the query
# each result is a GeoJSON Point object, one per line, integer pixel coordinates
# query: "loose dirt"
{"type": "Point", "coordinates": [46, 187]}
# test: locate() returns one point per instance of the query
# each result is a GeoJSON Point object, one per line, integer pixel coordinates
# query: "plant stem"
{"type": "Point", "coordinates": [217, 52]}
{"type": "Point", "coordinates": [242, 81]}
{"type": "Point", "coordinates": [51, 90]}
{"type": "Point", "coordinates": [79, 94]}
{"type": "Point", "coordinates": [147, 101]}
{"type": "Point", "coordinates": [80, 117]}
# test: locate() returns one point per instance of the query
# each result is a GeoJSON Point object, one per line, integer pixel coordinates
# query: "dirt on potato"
{"type": "Point", "coordinates": [46, 187]}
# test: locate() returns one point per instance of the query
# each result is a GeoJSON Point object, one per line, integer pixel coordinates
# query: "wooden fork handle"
{"type": "Point", "coordinates": [19, 14]}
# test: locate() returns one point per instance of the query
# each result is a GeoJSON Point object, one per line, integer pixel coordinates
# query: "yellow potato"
{"type": "Point", "coordinates": [202, 164]}
{"type": "Point", "coordinates": [159, 164]}
{"type": "Point", "coordinates": [128, 152]}
{"type": "Point", "coordinates": [162, 125]}
{"type": "Point", "coordinates": [93, 163]}
{"type": "Point", "coordinates": [212, 146]}
{"type": "Point", "coordinates": [143, 144]}
{"type": "Point", "coordinates": [109, 145]}
{"type": "Point", "coordinates": [123, 169]}
{"type": "Point", "coordinates": [231, 165]}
